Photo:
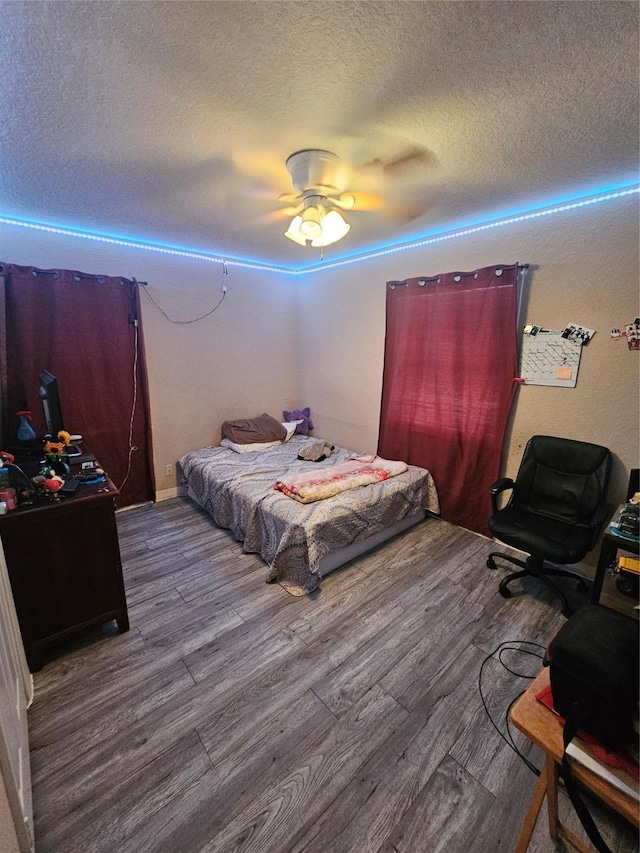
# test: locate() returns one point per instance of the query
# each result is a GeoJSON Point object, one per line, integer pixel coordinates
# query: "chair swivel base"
{"type": "Point", "coordinates": [535, 568]}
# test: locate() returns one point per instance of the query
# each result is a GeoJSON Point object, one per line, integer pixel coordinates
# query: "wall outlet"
{"type": "Point", "coordinates": [168, 470]}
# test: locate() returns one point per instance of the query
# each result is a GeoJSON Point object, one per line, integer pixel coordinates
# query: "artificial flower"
{"type": "Point", "coordinates": [54, 448]}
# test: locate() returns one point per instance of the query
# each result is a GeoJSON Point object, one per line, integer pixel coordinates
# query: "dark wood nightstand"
{"type": "Point", "coordinates": [64, 566]}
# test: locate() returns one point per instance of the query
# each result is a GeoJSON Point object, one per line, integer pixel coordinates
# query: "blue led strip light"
{"type": "Point", "coordinates": [149, 247]}
{"type": "Point", "coordinates": [525, 216]}
{"type": "Point", "coordinates": [463, 232]}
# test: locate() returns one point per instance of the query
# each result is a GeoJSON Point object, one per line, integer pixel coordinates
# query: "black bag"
{"type": "Point", "coordinates": [593, 669]}
{"type": "Point", "coordinates": [594, 663]}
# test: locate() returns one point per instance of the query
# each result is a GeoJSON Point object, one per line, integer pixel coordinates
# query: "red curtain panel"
{"type": "Point", "coordinates": [449, 379]}
{"type": "Point", "coordinates": [84, 329]}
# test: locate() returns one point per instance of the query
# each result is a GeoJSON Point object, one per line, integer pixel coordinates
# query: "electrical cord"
{"type": "Point", "coordinates": [132, 446]}
{"type": "Point", "coordinates": [499, 650]}
{"type": "Point", "coordinates": [202, 316]}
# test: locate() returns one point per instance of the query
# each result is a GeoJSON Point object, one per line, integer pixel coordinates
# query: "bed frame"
{"type": "Point", "coordinates": [344, 555]}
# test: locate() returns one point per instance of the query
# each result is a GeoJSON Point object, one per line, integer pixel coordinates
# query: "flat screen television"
{"type": "Point", "coordinates": [50, 402]}
{"type": "Point", "coordinates": [51, 409]}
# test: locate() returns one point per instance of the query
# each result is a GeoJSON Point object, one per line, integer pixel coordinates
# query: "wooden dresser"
{"type": "Point", "coordinates": [63, 560]}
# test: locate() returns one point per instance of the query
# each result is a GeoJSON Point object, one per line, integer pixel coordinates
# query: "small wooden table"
{"type": "Point", "coordinates": [539, 724]}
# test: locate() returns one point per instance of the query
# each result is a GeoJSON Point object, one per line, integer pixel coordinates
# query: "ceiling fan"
{"type": "Point", "coordinates": [325, 185]}
{"type": "Point", "coordinates": [317, 218]}
{"type": "Point", "coordinates": [361, 177]}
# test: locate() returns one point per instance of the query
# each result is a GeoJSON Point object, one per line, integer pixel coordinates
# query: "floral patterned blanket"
{"type": "Point", "coordinates": [237, 490]}
{"type": "Point", "coordinates": [355, 472]}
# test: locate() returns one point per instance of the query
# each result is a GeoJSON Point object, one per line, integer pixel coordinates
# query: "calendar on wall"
{"type": "Point", "coordinates": [548, 358]}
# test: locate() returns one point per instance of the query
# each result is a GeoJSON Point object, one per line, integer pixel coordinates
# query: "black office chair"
{"type": "Point", "coordinates": [556, 510]}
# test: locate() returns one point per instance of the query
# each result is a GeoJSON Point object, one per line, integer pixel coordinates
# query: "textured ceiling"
{"type": "Point", "coordinates": [171, 121]}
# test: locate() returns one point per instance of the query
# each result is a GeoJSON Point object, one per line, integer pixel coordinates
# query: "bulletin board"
{"type": "Point", "coordinates": [547, 358]}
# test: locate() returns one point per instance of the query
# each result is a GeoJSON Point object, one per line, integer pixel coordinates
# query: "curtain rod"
{"type": "Point", "coordinates": [422, 280]}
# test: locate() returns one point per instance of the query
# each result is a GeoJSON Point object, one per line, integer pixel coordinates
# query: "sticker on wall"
{"type": "Point", "coordinates": [531, 329]}
{"type": "Point", "coordinates": [632, 334]}
{"type": "Point", "coordinates": [578, 334]}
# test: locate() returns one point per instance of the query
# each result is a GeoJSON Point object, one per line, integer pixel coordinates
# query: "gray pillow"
{"type": "Point", "coordinates": [254, 430]}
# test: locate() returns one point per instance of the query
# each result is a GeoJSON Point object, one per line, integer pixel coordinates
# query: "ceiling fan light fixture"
{"type": "Point", "coordinates": [293, 233]}
{"type": "Point", "coordinates": [334, 228]}
{"type": "Point", "coordinates": [315, 175]}
{"type": "Point", "coordinates": [312, 222]}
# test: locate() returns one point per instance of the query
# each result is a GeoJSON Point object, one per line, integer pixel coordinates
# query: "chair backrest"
{"type": "Point", "coordinates": [562, 478]}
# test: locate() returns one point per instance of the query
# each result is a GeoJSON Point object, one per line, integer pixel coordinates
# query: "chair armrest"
{"type": "Point", "coordinates": [500, 485]}
{"type": "Point", "coordinates": [602, 514]}
{"type": "Point", "coordinates": [600, 517]}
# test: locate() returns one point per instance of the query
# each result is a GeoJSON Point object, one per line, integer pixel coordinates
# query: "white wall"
{"type": "Point", "coordinates": [584, 269]}
{"type": "Point", "coordinates": [238, 362]}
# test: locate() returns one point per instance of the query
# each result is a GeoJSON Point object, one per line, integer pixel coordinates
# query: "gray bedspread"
{"type": "Point", "coordinates": [237, 490]}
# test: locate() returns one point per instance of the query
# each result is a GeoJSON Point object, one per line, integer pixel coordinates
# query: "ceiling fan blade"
{"type": "Point", "coordinates": [261, 165]}
{"type": "Point", "coordinates": [409, 165]}
{"type": "Point", "coordinates": [346, 201]}
{"type": "Point", "coordinates": [278, 215]}
{"type": "Point", "coordinates": [406, 210]}
{"type": "Point", "coordinates": [357, 201]}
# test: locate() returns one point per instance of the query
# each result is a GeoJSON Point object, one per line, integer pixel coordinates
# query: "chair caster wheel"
{"type": "Point", "coordinates": [582, 587]}
{"type": "Point", "coordinates": [491, 564]}
{"type": "Point", "coordinates": [505, 592]}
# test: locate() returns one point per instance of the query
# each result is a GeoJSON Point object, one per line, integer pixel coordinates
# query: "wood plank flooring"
{"type": "Point", "coordinates": [235, 717]}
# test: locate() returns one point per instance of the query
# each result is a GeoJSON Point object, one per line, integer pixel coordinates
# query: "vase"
{"type": "Point", "coordinates": [25, 430]}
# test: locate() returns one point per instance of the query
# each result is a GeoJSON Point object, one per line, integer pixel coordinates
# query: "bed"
{"type": "Point", "coordinates": [301, 542]}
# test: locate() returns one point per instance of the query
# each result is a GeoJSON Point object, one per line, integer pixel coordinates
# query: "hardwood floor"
{"type": "Point", "coordinates": [235, 717]}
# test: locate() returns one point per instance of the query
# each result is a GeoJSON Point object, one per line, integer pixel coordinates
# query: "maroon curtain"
{"type": "Point", "coordinates": [449, 378]}
{"type": "Point", "coordinates": [84, 329]}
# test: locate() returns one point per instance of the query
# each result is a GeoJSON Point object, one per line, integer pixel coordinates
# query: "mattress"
{"type": "Point", "coordinates": [300, 541]}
